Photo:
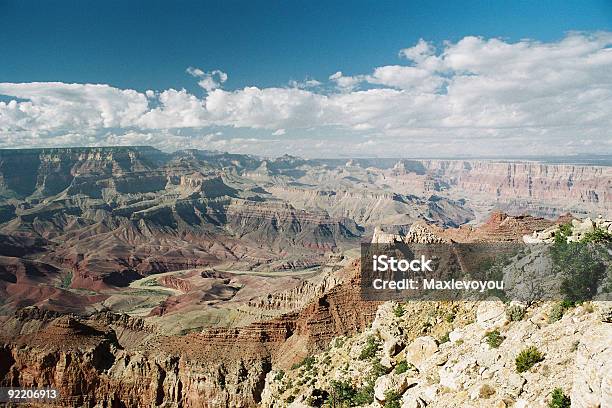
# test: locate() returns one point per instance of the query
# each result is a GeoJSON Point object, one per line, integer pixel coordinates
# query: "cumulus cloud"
{"type": "Point", "coordinates": [346, 83]}
{"type": "Point", "coordinates": [478, 95]}
{"type": "Point", "coordinates": [208, 80]}
{"type": "Point", "coordinates": [308, 83]}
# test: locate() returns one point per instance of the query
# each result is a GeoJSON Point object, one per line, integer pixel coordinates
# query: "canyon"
{"type": "Point", "coordinates": [133, 277]}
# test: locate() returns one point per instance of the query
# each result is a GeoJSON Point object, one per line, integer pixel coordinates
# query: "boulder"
{"type": "Point", "coordinates": [396, 382]}
{"type": "Point", "coordinates": [491, 313]}
{"type": "Point", "coordinates": [420, 350]}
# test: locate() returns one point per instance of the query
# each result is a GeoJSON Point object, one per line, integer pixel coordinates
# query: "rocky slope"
{"type": "Point", "coordinates": [454, 364]}
{"type": "Point", "coordinates": [466, 354]}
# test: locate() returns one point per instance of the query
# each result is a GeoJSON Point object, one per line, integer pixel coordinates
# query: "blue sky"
{"type": "Point", "coordinates": [148, 44]}
{"type": "Point", "coordinates": [433, 78]}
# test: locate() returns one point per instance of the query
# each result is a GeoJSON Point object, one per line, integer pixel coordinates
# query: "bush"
{"type": "Point", "coordinates": [398, 310]}
{"type": "Point", "coordinates": [279, 376]}
{"type": "Point", "coordinates": [580, 265]}
{"type": "Point", "coordinates": [392, 399]}
{"type": "Point", "coordinates": [370, 349]}
{"type": "Point", "coordinates": [444, 339]}
{"type": "Point", "coordinates": [559, 309]}
{"type": "Point", "coordinates": [377, 369]}
{"type": "Point", "coordinates": [402, 367]}
{"type": "Point", "coordinates": [597, 235]}
{"type": "Point", "coordinates": [450, 316]}
{"type": "Point", "coordinates": [565, 230]}
{"type": "Point", "coordinates": [365, 395]}
{"type": "Point", "coordinates": [515, 313]}
{"type": "Point", "coordinates": [559, 399]}
{"type": "Point", "coordinates": [494, 339]}
{"type": "Point", "coordinates": [307, 363]}
{"type": "Point", "coordinates": [341, 392]}
{"type": "Point", "coordinates": [556, 313]}
{"type": "Point", "coordinates": [528, 358]}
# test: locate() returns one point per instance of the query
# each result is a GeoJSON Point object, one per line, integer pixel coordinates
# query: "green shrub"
{"type": "Point", "coordinates": [392, 399]}
{"type": "Point", "coordinates": [307, 363]}
{"type": "Point", "coordinates": [580, 265]}
{"type": "Point", "coordinates": [279, 376]}
{"type": "Point", "coordinates": [556, 313]}
{"type": "Point", "coordinates": [565, 230]}
{"type": "Point", "coordinates": [402, 367]}
{"type": "Point", "coordinates": [515, 313]}
{"type": "Point", "coordinates": [444, 339]}
{"type": "Point", "coordinates": [559, 399]}
{"type": "Point", "coordinates": [377, 369]}
{"type": "Point", "coordinates": [528, 358]}
{"type": "Point", "coordinates": [494, 338]}
{"type": "Point", "coordinates": [450, 316]}
{"type": "Point", "coordinates": [597, 235]}
{"type": "Point", "coordinates": [558, 310]}
{"type": "Point", "coordinates": [341, 392]}
{"type": "Point", "coordinates": [339, 342]}
{"type": "Point", "coordinates": [66, 280]}
{"type": "Point", "coordinates": [398, 310]}
{"type": "Point", "coordinates": [370, 349]}
{"type": "Point", "coordinates": [365, 395]}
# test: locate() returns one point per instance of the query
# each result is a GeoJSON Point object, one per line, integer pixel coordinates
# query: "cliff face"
{"type": "Point", "coordinates": [108, 359]}
{"type": "Point", "coordinates": [549, 183]}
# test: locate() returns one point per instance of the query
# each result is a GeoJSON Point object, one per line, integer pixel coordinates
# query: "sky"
{"type": "Point", "coordinates": [314, 79]}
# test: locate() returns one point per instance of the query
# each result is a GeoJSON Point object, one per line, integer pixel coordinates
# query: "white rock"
{"type": "Point", "coordinates": [592, 384]}
{"type": "Point", "coordinates": [396, 382]}
{"type": "Point", "coordinates": [521, 403]}
{"type": "Point", "coordinates": [411, 399]}
{"type": "Point", "coordinates": [456, 334]}
{"type": "Point", "coordinates": [491, 313]}
{"type": "Point", "coordinates": [387, 327]}
{"type": "Point", "coordinates": [420, 350]}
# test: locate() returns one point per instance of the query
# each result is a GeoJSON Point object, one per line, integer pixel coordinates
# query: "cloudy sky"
{"type": "Point", "coordinates": [346, 79]}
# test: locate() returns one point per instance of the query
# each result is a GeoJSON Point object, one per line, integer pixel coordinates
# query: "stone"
{"type": "Point", "coordinates": [604, 309]}
{"type": "Point", "coordinates": [455, 335]}
{"type": "Point", "coordinates": [491, 313]}
{"type": "Point", "coordinates": [411, 399]}
{"type": "Point", "coordinates": [396, 382]}
{"type": "Point", "coordinates": [521, 403]}
{"type": "Point", "coordinates": [480, 391]}
{"type": "Point", "coordinates": [592, 383]}
{"type": "Point", "coordinates": [420, 350]}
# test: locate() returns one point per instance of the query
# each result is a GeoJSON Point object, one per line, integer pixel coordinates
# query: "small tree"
{"type": "Point", "coordinates": [528, 358]}
{"type": "Point", "coordinates": [559, 399]}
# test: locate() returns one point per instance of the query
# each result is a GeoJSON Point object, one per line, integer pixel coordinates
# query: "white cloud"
{"type": "Point", "coordinates": [208, 80]}
{"type": "Point", "coordinates": [481, 96]}
{"type": "Point", "coordinates": [346, 83]}
{"type": "Point", "coordinates": [308, 83]}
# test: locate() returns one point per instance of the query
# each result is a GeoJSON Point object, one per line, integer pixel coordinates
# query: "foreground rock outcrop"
{"type": "Point", "coordinates": [460, 366]}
